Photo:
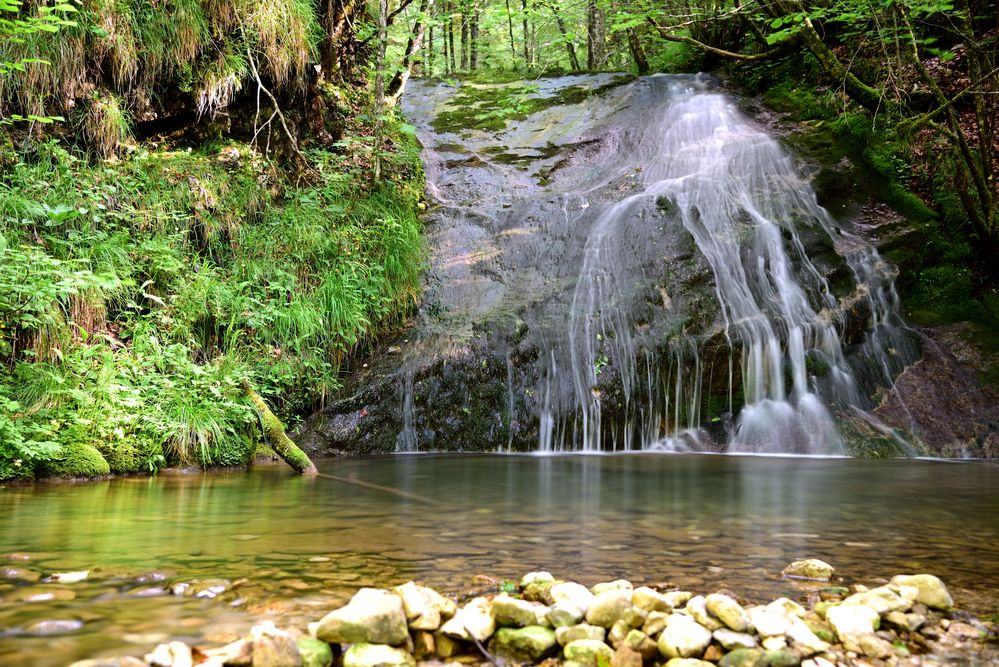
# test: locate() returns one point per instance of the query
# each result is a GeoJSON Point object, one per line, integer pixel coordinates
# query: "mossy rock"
{"type": "Point", "coordinates": [123, 457]}
{"type": "Point", "coordinates": [77, 460]}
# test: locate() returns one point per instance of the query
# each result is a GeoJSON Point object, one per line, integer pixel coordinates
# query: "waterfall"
{"type": "Point", "coordinates": [677, 160]}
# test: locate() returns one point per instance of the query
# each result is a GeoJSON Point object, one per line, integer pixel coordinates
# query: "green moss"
{"type": "Point", "coordinates": [490, 107]}
{"type": "Point", "coordinates": [77, 460]}
{"type": "Point", "coordinates": [124, 457]}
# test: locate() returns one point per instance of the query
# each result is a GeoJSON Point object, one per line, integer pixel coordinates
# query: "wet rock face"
{"type": "Point", "coordinates": [567, 304]}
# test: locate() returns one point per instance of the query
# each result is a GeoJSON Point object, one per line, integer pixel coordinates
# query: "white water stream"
{"type": "Point", "coordinates": [689, 160]}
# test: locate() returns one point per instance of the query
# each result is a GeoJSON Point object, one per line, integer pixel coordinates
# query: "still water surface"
{"type": "Point", "coordinates": [296, 547]}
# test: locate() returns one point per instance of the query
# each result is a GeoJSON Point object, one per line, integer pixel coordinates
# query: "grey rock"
{"type": "Point", "coordinates": [373, 616]}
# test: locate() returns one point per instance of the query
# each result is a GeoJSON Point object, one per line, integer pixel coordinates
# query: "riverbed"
{"type": "Point", "coordinates": [290, 548]}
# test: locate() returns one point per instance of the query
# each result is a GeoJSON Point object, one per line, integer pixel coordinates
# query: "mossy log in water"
{"type": "Point", "coordinates": [279, 441]}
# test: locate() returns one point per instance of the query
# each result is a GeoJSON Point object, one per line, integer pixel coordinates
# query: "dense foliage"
{"type": "Point", "coordinates": [141, 282]}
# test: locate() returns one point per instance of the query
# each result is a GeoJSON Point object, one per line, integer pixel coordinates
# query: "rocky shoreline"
{"type": "Point", "coordinates": [910, 620]}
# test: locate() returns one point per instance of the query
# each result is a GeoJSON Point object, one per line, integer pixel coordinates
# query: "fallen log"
{"type": "Point", "coordinates": [279, 441]}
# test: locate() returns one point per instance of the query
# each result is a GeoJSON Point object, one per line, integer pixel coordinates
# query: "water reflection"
{"type": "Point", "coordinates": [303, 545]}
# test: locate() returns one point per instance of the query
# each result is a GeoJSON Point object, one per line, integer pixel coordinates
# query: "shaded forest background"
{"type": "Point", "coordinates": [195, 193]}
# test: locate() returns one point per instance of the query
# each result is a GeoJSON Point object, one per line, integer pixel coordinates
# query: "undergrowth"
{"type": "Point", "coordinates": [136, 295]}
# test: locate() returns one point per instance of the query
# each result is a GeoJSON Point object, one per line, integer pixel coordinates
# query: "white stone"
{"type": "Point", "coordinates": [932, 591]}
{"type": "Point", "coordinates": [698, 609]}
{"type": "Point", "coordinates": [769, 622]}
{"type": "Point", "coordinates": [608, 607]}
{"type": "Point", "coordinates": [570, 591]}
{"type": "Point", "coordinates": [564, 613]}
{"type": "Point", "coordinates": [536, 578]}
{"type": "Point", "coordinates": [373, 616]}
{"type": "Point", "coordinates": [648, 599]}
{"type": "Point", "coordinates": [728, 611]}
{"type": "Point", "coordinates": [567, 635]}
{"type": "Point", "coordinates": [683, 637]}
{"type": "Point", "coordinates": [731, 640]}
{"type": "Point", "coordinates": [473, 621]}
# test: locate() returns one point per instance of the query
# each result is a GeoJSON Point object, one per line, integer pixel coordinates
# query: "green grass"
{"type": "Point", "coordinates": [136, 295]}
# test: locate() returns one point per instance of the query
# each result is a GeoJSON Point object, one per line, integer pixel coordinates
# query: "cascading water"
{"type": "Point", "coordinates": [643, 267]}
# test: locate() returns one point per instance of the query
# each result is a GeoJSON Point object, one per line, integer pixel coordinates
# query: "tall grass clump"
{"type": "Point", "coordinates": [136, 295]}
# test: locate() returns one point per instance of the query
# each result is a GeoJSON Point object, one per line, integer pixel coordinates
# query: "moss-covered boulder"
{"type": "Point", "coordinates": [528, 644]}
{"type": "Point", "coordinates": [77, 460]}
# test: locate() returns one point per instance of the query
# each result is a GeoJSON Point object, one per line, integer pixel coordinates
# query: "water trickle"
{"type": "Point", "coordinates": [595, 249]}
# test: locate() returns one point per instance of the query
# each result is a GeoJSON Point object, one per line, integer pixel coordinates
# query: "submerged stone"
{"type": "Point", "coordinates": [811, 568]}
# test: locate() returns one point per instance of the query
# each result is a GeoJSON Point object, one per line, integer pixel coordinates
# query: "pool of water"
{"type": "Point", "coordinates": [293, 548]}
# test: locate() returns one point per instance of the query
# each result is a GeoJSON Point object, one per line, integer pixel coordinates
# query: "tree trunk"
{"type": "Point", "coordinates": [570, 48]}
{"type": "Point", "coordinates": [277, 438]}
{"type": "Point", "coordinates": [473, 35]}
{"type": "Point", "coordinates": [513, 43]}
{"type": "Point", "coordinates": [594, 38]}
{"type": "Point", "coordinates": [637, 52]}
{"type": "Point", "coordinates": [464, 36]}
{"type": "Point", "coordinates": [430, 53]}
{"type": "Point", "coordinates": [398, 83]}
{"type": "Point", "coordinates": [527, 36]}
{"type": "Point", "coordinates": [450, 37]}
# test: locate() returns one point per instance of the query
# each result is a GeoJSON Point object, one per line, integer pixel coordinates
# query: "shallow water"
{"type": "Point", "coordinates": [304, 545]}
